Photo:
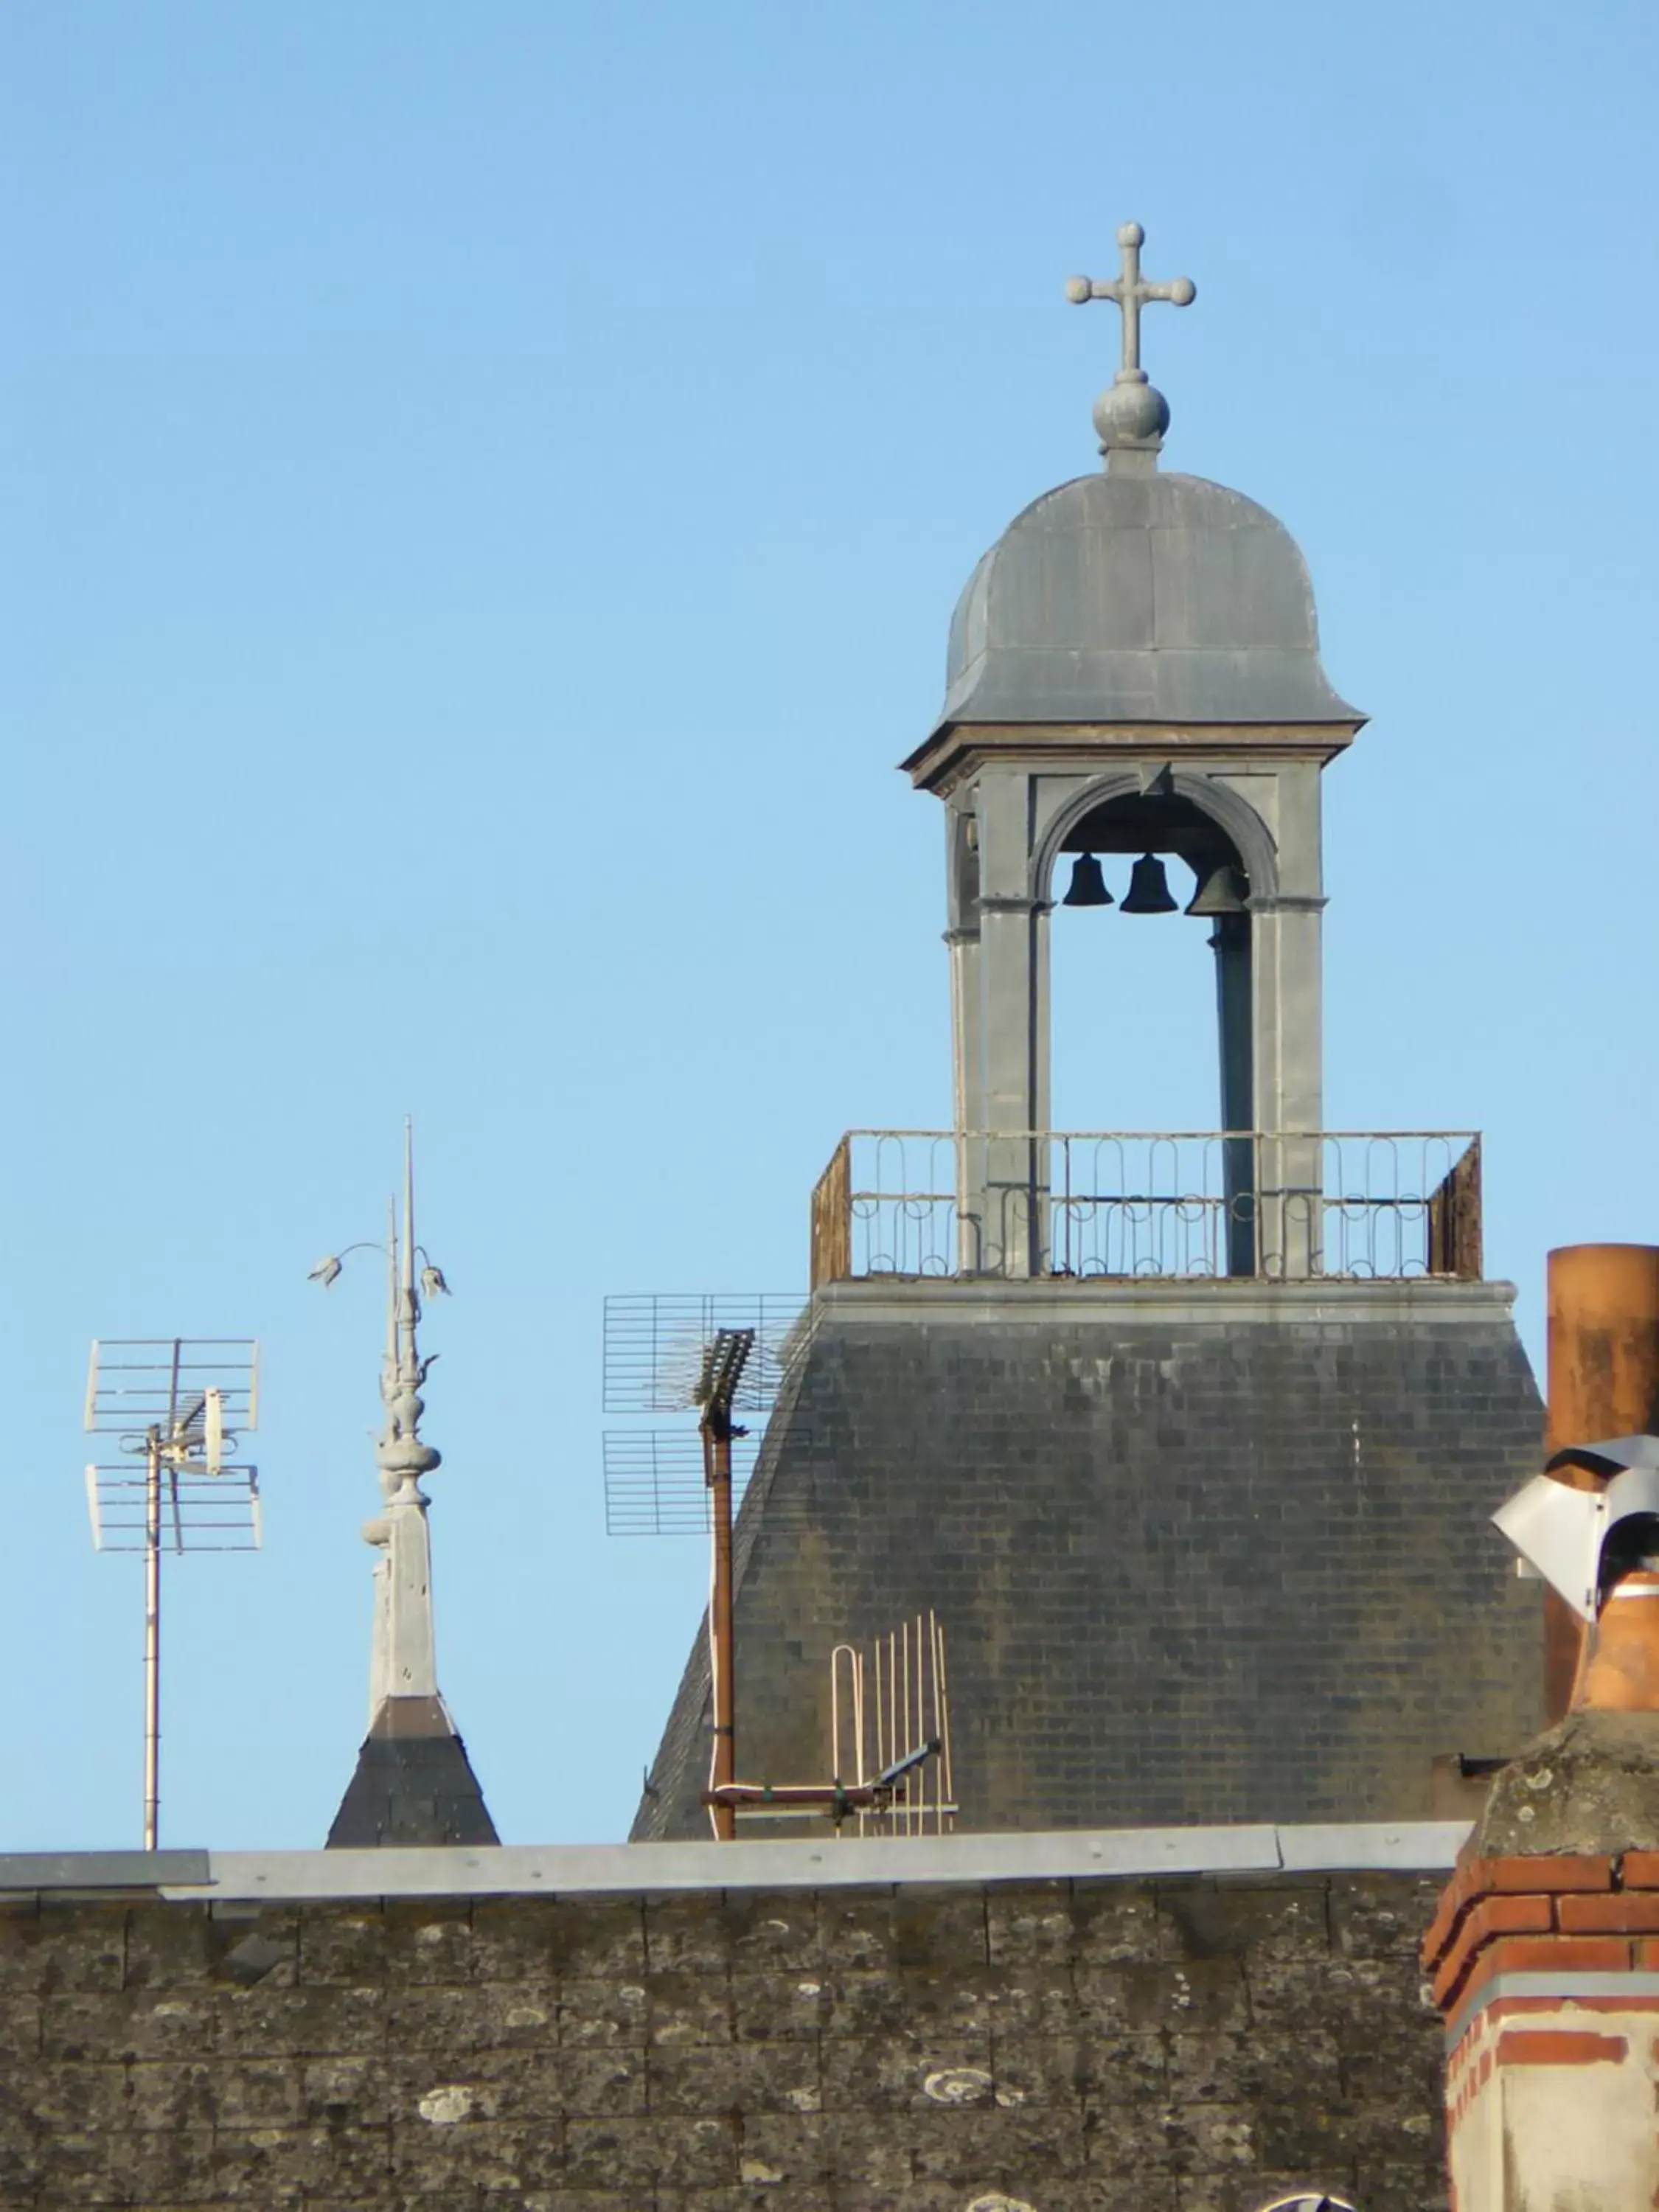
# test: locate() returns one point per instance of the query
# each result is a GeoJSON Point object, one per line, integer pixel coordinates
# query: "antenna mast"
{"type": "Point", "coordinates": [177, 1403]}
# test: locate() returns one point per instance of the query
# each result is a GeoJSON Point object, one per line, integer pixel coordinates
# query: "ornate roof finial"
{"type": "Point", "coordinates": [1131, 415]}
{"type": "Point", "coordinates": [402, 1663]}
{"type": "Point", "coordinates": [404, 1456]}
{"type": "Point", "coordinates": [414, 1782]}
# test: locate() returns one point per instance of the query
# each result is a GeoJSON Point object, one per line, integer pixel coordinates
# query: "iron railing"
{"type": "Point", "coordinates": [1187, 1204]}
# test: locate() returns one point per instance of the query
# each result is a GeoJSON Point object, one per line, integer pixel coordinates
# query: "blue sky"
{"type": "Point", "coordinates": [485, 491]}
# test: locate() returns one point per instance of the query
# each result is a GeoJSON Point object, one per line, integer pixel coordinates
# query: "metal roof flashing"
{"type": "Point", "coordinates": [1428, 1847]}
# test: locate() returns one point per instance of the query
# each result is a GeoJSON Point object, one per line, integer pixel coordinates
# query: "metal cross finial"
{"type": "Point", "coordinates": [1132, 415]}
{"type": "Point", "coordinates": [1132, 292]}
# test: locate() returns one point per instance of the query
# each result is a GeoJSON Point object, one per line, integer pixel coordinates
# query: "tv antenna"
{"type": "Point", "coordinates": [179, 1405]}
{"type": "Point", "coordinates": [719, 1355]}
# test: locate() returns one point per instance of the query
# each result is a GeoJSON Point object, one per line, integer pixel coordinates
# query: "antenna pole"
{"type": "Point", "coordinates": [152, 1637]}
{"type": "Point", "coordinates": [717, 1469]}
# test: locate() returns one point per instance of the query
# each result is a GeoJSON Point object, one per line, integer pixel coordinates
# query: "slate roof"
{"type": "Point", "coordinates": [413, 1782]}
{"type": "Point", "coordinates": [1232, 1569]}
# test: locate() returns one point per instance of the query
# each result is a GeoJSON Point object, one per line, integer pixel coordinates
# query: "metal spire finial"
{"type": "Point", "coordinates": [404, 1457]}
{"type": "Point", "coordinates": [402, 1663]}
{"type": "Point", "coordinates": [1131, 415]}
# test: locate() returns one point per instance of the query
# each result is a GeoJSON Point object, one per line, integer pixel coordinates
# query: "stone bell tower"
{"type": "Point", "coordinates": [1134, 667]}
{"type": "Point", "coordinates": [1189, 1442]}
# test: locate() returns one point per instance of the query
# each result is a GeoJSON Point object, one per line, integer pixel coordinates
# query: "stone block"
{"type": "Point", "coordinates": [597, 1939]}
{"type": "Point", "coordinates": [260, 2166]}
{"type": "Point", "coordinates": [300, 2022]}
{"type": "Point", "coordinates": [788, 2003]}
{"type": "Point", "coordinates": [42, 1951]}
{"type": "Point", "coordinates": [604, 2012]}
{"type": "Point", "coordinates": [991, 2153]}
{"type": "Point", "coordinates": [634, 2155]}
{"type": "Point", "coordinates": [518, 2015]}
{"type": "Point", "coordinates": [687, 1935]}
{"type": "Point", "coordinates": [519, 2085]}
{"type": "Point", "coordinates": [428, 1940]}
{"type": "Point", "coordinates": [722, 2078]}
{"type": "Point", "coordinates": [688, 2008]}
{"type": "Point", "coordinates": [1378, 1915]}
{"type": "Point", "coordinates": [513, 1941]}
{"type": "Point", "coordinates": [442, 2157]}
{"type": "Point", "coordinates": [1116, 1923]}
{"type": "Point", "coordinates": [1027, 1921]}
{"type": "Point", "coordinates": [342, 1943]}
{"type": "Point", "coordinates": [1400, 2187]}
{"type": "Point", "coordinates": [774, 1932]}
{"type": "Point", "coordinates": [1207, 1993]}
{"type": "Point", "coordinates": [1254, 2065]}
{"type": "Point", "coordinates": [209, 2092]}
{"type": "Point", "coordinates": [855, 1928]}
{"type": "Point", "coordinates": [19, 2030]}
{"type": "Point", "coordinates": [1247, 2188]}
{"type": "Point", "coordinates": [900, 2071]}
{"type": "Point", "coordinates": [1214, 1920]}
{"type": "Point", "coordinates": [1338, 1991]}
{"type": "Point", "coordinates": [75, 2099]}
{"type": "Point", "coordinates": [127, 2024]}
{"type": "Point", "coordinates": [344, 2092]}
{"type": "Point", "coordinates": [1042, 2069]}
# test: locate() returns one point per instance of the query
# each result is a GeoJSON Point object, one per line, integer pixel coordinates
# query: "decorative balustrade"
{"type": "Point", "coordinates": [1181, 1205]}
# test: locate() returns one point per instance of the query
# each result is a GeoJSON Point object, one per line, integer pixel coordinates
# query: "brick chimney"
{"type": "Point", "coordinates": [1544, 1955]}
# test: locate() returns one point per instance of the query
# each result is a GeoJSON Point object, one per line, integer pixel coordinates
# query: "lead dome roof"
{"type": "Point", "coordinates": [1139, 598]}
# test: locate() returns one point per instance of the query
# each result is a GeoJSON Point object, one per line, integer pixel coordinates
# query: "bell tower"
{"type": "Point", "coordinates": [1133, 669]}
{"type": "Point", "coordinates": [1187, 1441]}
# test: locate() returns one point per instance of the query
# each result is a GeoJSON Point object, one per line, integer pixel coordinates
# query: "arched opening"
{"type": "Point", "coordinates": [1150, 996]}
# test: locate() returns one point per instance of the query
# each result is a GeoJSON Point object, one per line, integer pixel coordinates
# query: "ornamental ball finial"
{"type": "Point", "coordinates": [1182, 291]}
{"type": "Point", "coordinates": [1077, 290]}
{"type": "Point", "coordinates": [1131, 234]}
{"type": "Point", "coordinates": [1130, 413]}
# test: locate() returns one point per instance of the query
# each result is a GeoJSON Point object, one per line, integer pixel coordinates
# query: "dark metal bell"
{"type": "Point", "coordinates": [1149, 888]}
{"type": "Point", "coordinates": [1223, 891]}
{"type": "Point", "coordinates": [1088, 884]}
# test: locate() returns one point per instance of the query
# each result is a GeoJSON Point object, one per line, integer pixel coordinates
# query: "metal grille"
{"type": "Point", "coordinates": [654, 1483]}
{"type": "Point", "coordinates": [136, 1382]}
{"type": "Point", "coordinates": [654, 1344]}
{"type": "Point", "coordinates": [199, 1512]}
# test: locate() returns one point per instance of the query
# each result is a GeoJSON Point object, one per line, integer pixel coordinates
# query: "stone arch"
{"type": "Point", "coordinates": [1252, 839]}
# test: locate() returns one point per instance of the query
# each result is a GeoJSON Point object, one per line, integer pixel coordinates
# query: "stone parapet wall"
{"type": "Point", "coordinates": [1194, 2043]}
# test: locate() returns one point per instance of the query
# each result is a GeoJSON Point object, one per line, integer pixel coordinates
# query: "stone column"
{"type": "Point", "coordinates": [1286, 948]}
{"type": "Point", "coordinates": [967, 1035]}
{"type": "Point", "coordinates": [1013, 1037]}
{"type": "Point", "coordinates": [1230, 943]}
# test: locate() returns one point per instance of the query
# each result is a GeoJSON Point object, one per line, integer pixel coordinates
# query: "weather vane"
{"type": "Point", "coordinates": [1131, 415]}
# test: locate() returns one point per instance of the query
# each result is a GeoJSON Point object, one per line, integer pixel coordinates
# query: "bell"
{"type": "Point", "coordinates": [1149, 888]}
{"type": "Point", "coordinates": [1223, 891]}
{"type": "Point", "coordinates": [1088, 884]}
